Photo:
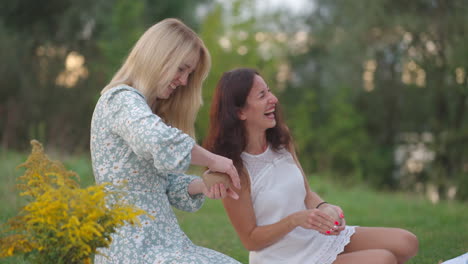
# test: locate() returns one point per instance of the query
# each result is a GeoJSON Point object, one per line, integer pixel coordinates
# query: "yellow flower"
{"type": "Point", "coordinates": [63, 223]}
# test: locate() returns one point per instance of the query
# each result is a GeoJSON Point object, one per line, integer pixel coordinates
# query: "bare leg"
{"type": "Point", "coordinates": [368, 256]}
{"type": "Point", "coordinates": [401, 243]}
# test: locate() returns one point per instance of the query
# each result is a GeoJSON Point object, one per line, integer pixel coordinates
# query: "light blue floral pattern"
{"type": "Point", "coordinates": [130, 143]}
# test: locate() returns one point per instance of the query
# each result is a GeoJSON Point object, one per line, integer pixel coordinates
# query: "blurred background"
{"type": "Point", "coordinates": [374, 91]}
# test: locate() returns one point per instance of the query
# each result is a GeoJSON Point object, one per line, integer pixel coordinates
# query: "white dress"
{"type": "Point", "coordinates": [277, 190]}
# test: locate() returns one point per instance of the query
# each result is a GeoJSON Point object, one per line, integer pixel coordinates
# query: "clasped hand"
{"type": "Point", "coordinates": [320, 221]}
{"type": "Point", "coordinates": [219, 191]}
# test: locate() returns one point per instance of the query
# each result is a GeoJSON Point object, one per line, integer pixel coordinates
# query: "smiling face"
{"type": "Point", "coordinates": [181, 77]}
{"type": "Point", "coordinates": [259, 110]}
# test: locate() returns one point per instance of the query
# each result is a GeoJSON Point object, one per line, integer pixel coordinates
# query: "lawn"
{"type": "Point", "coordinates": [442, 228]}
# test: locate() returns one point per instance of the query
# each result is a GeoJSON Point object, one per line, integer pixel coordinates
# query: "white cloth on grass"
{"type": "Point", "coordinates": [463, 259]}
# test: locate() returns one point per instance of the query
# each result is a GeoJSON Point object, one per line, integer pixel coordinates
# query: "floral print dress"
{"type": "Point", "coordinates": [130, 143]}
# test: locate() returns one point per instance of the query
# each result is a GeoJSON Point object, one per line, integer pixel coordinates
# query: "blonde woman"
{"type": "Point", "coordinates": [141, 133]}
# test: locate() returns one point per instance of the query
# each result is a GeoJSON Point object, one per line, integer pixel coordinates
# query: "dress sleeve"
{"type": "Point", "coordinates": [146, 133]}
{"type": "Point", "coordinates": [179, 197]}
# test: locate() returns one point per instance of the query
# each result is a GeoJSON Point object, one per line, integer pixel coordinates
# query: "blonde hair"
{"type": "Point", "coordinates": [154, 61]}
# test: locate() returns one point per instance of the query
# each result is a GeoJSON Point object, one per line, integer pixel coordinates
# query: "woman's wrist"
{"type": "Point", "coordinates": [292, 220]}
{"type": "Point", "coordinates": [211, 158]}
{"type": "Point", "coordinates": [196, 187]}
{"type": "Point", "coordinates": [320, 204]}
{"type": "Point", "coordinates": [201, 156]}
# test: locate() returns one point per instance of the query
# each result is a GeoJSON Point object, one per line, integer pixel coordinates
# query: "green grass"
{"type": "Point", "coordinates": [442, 228]}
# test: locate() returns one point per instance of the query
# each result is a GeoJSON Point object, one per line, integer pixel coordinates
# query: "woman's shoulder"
{"type": "Point", "coordinates": [122, 97]}
{"type": "Point", "coordinates": [122, 90]}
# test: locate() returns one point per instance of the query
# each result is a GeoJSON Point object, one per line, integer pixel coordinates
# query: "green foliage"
{"type": "Point", "coordinates": [302, 118]}
{"type": "Point", "coordinates": [403, 69]}
{"type": "Point", "coordinates": [344, 139]}
{"type": "Point", "coordinates": [123, 26]}
{"type": "Point", "coordinates": [38, 37]}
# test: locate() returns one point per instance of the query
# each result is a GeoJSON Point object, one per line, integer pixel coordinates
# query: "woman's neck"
{"type": "Point", "coordinates": [256, 143]}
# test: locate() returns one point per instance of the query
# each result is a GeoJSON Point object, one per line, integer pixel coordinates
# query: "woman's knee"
{"type": "Point", "coordinates": [386, 257]}
{"type": "Point", "coordinates": [367, 256]}
{"type": "Point", "coordinates": [409, 244]}
{"type": "Point", "coordinates": [382, 256]}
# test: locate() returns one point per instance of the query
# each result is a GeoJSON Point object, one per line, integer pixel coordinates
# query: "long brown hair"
{"type": "Point", "coordinates": [227, 133]}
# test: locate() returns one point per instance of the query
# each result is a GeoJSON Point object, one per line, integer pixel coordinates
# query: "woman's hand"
{"type": "Point", "coordinates": [317, 220]}
{"type": "Point", "coordinates": [340, 215]}
{"type": "Point", "coordinates": [217, 163]}
{"type": "Point", "coordinates": [218, 191]}
{"type": "Point", "coordinates": [340, 227]}
{"type": "Point", "coordinates": [225, 165]}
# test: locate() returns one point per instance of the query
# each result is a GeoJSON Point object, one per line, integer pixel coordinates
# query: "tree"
{"type": "Point", "coordinates": [57, 57]}
{"type": "Point", "coordinates": [404, 66]}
